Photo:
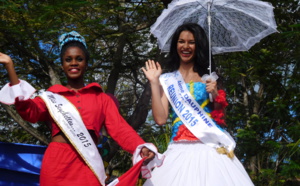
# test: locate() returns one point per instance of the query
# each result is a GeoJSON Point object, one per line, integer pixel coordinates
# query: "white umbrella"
{"type": "Point", "coordinates": [231, 25]}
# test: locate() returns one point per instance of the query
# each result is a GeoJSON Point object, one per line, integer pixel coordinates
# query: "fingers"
{"type": "Point", "coordinates": [5, 59]}
{"type": "Point", "coordinates": [150, 157]}
{"type": "Point", "coordinates": [143, 69]}
{"type": "Point", "coordinates": [211, 86]}
{"type": "Point", "coordinates": [158, 66]}
{"type": "Point", "coordinates": [152, 71]}
{"type": "Point", "coordinates": [208, 81]}
{"type": "Point", "coordinates": [150, 64]}
{"type": "Point", "coordinates": [145, 152]}
{"type": "Point", "coordinates": [147, 65]}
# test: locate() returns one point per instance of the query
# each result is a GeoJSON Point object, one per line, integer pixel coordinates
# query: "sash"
{"type": "Point", "coordinates": [193, 116]}
{"type": "Point", "coordinates": [69, 121]}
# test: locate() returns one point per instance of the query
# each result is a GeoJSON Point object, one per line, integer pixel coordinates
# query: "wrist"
{"type": "Point", "coordinates": [9, 65]}
{"type": "Point", "coordinates": [215, 93]}
{"type": "Point", "coordinates": [154, 81]}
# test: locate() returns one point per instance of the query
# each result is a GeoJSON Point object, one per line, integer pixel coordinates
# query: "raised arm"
{"type": "Point", "coordinates": [160, 102]}
{"type": "Point", "coordinates": [8, 63]}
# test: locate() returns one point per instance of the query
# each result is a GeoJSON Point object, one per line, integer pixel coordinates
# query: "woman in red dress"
{"type": "Point", "coordinates": [62, 164]}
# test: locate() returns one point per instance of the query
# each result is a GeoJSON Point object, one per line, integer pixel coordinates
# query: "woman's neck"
{"type": "Point", "coordinates": [186, 69]}
{"type": "Point", "coordinates": [75, 85]}
{"type": "Point", "coordinates": [188, 74]}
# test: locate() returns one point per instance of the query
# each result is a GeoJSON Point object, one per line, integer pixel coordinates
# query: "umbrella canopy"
{"type": "Point", "coordinates": [236, 25]}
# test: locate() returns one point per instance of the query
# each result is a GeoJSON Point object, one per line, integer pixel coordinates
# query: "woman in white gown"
{"type": "Point", "coordinates": [189, 161]}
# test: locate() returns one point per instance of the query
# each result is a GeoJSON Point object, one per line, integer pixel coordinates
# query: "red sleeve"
{"type": "Point", "coordinates": [118, 128]}
{"type": "Point", "coordinates": [32, 110]}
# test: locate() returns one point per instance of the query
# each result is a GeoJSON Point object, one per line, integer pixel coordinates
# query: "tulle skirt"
{"type": "Point", "coordinates": [196, 164]}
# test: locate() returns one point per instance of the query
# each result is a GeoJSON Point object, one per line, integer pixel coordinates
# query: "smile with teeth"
{"type": "Point", "coordinates": [74, 70]}
{"type": "Point", "coordinates": [186, 53]}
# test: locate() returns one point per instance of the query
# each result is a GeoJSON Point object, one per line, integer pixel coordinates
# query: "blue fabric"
{"type": "Point", "coordinates": [20, 163]}
{"type": "Point", "coordinates": [200, 96]}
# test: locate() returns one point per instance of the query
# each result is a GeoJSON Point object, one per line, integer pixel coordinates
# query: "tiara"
{"type": "Point", "coordinates": [70, 36]}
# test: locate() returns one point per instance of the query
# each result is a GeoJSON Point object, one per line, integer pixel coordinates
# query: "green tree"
{"type": "Point", "coordinates": [263, 93]}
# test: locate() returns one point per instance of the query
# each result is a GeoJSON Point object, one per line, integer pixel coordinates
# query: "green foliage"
{"type": "Point", "coordinates": [266, 177]}
{"type": "Point", "coordinates": [158, 135]}
{"type": "Point", "coordinates": [249, 135]}
{"type": "Point", "coordinates": [291, 169]}
{"type": "Point", "coordinates": [263, 94]}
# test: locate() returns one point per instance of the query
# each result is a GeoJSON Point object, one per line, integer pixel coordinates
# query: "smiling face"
{"type": "Point", "coordinates": [74, 63]}
{"type": "Point", "coordinates": [186, 47]}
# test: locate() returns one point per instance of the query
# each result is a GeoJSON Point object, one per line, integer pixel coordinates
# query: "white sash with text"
{"type": "Point", "coordinates": [70, 122]}
{"type": "Point", "coordinates": [191, 113]}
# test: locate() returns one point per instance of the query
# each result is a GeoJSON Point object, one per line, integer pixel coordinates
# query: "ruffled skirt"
{"type": "Point", "coordinates": [196, 164]}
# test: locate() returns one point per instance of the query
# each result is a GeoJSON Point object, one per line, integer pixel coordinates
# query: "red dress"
{"type": "Point", "coordinates": [61, 164]}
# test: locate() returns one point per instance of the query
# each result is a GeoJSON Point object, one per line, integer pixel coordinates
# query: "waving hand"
{"type": "Point", "coordinates": [152, 70]}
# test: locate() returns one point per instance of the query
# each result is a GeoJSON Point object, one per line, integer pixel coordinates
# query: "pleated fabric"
{"type": "Point", "coordinates": [196, 164]}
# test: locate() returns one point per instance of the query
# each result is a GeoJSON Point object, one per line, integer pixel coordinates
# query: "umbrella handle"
{"type": "Point", "coordinates": [211, 98]}
{"type": "Point", "coordinates": [213, 77]}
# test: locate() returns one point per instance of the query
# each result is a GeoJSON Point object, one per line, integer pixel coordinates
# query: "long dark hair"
{"type": "Point", "coordinates": [74, 44]}
{"type": "Point", "coordinates": [201, 52]}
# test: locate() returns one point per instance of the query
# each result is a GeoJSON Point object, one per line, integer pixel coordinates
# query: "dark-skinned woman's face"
{"type": "Point", "coordinates": [74, 63]}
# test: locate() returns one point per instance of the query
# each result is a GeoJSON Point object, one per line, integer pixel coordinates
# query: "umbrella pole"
{"type": "Point", "coordinates": [209, 42]}
{"type": "Point", "coordinates": [209, 34]}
